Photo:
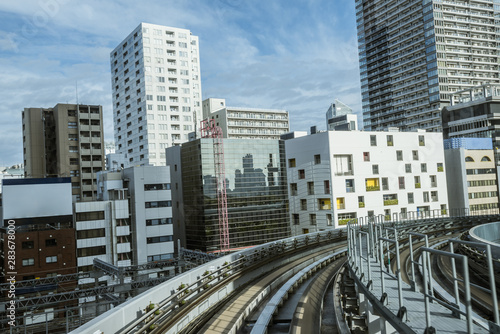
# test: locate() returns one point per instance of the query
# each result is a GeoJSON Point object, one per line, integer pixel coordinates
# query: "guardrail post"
{"type": "Point", "coordinates": [360, 254]}
{"type": "Point", "coordinates": [398, 271]}
{"type": "Point", "coordinates": [468, 304]}
{"type": "Point", "coordinates": [413, 283]}
{"type": "Point", "coordinates": [492, 284]}
{"type": "Point", "coordinates": [426, 296]}
{"type": "Point", "coordinates": [381, 252]}
{"type": "Point", "coordinates": [454, 273]}
{"type": "Point", "coordinates": [430, 268]}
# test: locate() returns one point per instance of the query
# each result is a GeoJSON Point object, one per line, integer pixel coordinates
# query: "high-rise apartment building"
{"type": "Point", "coordinates": [413, 54]}
{"type": "Point", "coordinates": [65, 141]}
{"type": "Point", "coordinates": [156, 85]}
{"type": "Point", "coordinates": [246, 123]}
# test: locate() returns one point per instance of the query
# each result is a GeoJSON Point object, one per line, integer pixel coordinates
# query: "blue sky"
{"type": "Point", "coordinates": [297, 55]}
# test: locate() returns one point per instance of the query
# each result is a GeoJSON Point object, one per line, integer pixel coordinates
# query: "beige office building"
{"type": "Point", "coordinates": [65, 141]}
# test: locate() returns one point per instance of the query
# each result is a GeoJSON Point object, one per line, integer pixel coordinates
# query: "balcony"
{"type": "Point", "coordinates": [372, 188]}
{"type": "Point", "coordinates": [123, 247]}
{"type": "Point", "coordinates": [417, 186]}
{"type": "Point", "coordinates": [122, 230]}
{"type": "Point", "coordinates": [391, 202]}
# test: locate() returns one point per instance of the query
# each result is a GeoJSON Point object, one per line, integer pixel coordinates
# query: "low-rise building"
{"type": "Point", "coordinates": [473, 179]}
{"type": "Point", "coordinates": [245, 123]}
{"type": "Point", "coordinates": [336, 176]}
{"type": "Point", "coordinates": [253, 177]}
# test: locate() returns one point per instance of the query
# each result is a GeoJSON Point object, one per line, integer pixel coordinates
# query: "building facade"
{"type": "Point", "coordinates": [413, 54]}
{"type": "Point", "coordinates": [336, 176]}
{"type": "Point", "coordinates": [40, 213]}
{"type": "Point", "coordinates": [473, 180]}
{"type": "Point", "coordinates": [246, 123]}
{"type": "Point", "coordinates": [65, 141]}
{"type": "Point", "coordinates": [255, 184]}
{"type": "Point", "coordinates": [156, 89]}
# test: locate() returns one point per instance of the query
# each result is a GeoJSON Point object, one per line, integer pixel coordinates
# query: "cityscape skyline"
{"type": "Point", "coordinates": [296, 58]}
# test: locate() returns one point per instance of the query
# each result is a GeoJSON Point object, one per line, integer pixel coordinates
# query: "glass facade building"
{"type": "Point", "coordinates": [257, 199]}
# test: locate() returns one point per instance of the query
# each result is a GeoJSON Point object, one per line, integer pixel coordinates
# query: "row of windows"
{"type": "Point", "coordinates": [93, 215]}
{"type": "Point", "coordinates": [481, 183]}
{"type": "Point", "coordinates": [160, 257]}
{"type": "Point", "coordinates": [483, 194]}
{"type": "Point", "coordinates": [31, 261]}
{"type": "Point", "coordinates": [486, 206]}
{"type": "Point", "coordinates": [164, 238]}
{"type": "Point", "coordinates": [478, 171]}
{"type": "Point", "coordinates": [157, 186]}
{"type": "Point", "coordinates": [87, 234]}
{"type": "Point", "coordinates": [390, 140]}
{"type": "Point", "coordinates": [483, 159]}
{"type": "Point", "coordinates": [310, 188]}
{"type": "Point", "coordinates": [31, 244]}
{"type": "Point", "coordinates": [158, 204]}
{"type": "Point", "coordinates": [158, 221]}
{"type": "Point", "coordinates": [390, 199]}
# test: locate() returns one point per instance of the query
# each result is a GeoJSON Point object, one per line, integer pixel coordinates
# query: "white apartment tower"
{"type": "Point", "coordinates": [156, 89]}
{"type": "Point", "coordinates": [413, 54]}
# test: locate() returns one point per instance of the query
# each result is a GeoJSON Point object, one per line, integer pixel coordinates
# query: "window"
{"type": "Point", "coordinates": [485, 158]}
{"type": "Point", "coordinates": [51, 259]}
{"type": "Point", "coordinates": [375, 169]}
{"type": "Point", "coordinates": [361, 201]}
{"type": "Point", "coordinates": [158, 221]}
{"type": "Point", "coordinates": [291, 163]}
{"type": "Point", "coordinates": [317, 159]}
{"type": "Point", "coordinates": [312, 219]}
{"type": "Point", "coordinates": [302, 174]}
{"type": "Point", "coordinates": [295, 219]}
{"type": "Point", "coordinates": [417, 181]}
{"type": "Point", "coordinates": [401, 180]}
{"type": "Point", "coordinates": [408, 168]}
{"type": "Point", "coordinates": [155, 240]}
{"type": "Point", "coordinates": [390, 199]}
{"type": "Point", "coordinates": [158, 204]}
{"type": "Point", "coordinates": [329, 221]}
{"type": "Point", "coordinates": [324, 204]}
{"type": "Point", "coordinates": [50, 242]}
{"type": "Point", "coordinates": [421, 140]}
{"type": "Point", "coordinates": [28, 262]}
{"type": "Point", "coordinates": [469, 159]}
{"type": "Point", "coordinates": [28, 244]}
{"type": "Point", "coordinates": [415, 155]}
{"type": "Point", "coordinates": [293, 189]}
{"type": "Point", "coordinates": [310, 188]}
{"type": "Point", "coordinates": [326, 185]}
{"type": "Point", "coordinates": [426, 196]}
{"type": "Point", "coordinates": [160, 257]}
{"type": "Point", "coordinates": [423, 168]}
{"type": "Point", "coordinates": [93, 215]}
{"type": "Point", "coordinates": [366, 156]}
{"type": "Point", "coordinates": [410, 198]}
{"type": "Point", "coordinates": [340, 203]}
{"type": "Point", "coordinates": [372, 184]}
{"type": "Point", "coordinates": [399, 155]}
{"type": "Point", "coordinates": [303, 204]}
{"type": "Point", "coordinates": [390, 141]}
{"type": "Point", "coordinates": [373, 140]}
{"type": "Point", "coordinates": [87, 234]}
{"type": "Point", "coordinates": [158, 186]}
{"type": "Point", "coordinates": [349, 186]}
{"type": "Point", "coordinates": [434, 196]}
{"type": "Point", "coordinates": [343, 164]}
{"type": "Point", "coordinates": [385, 183]}
{"type": "Point", "coordinates": [440, 167]}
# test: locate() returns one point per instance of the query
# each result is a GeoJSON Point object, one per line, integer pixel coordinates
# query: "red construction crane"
{"type": "Point", "coordinates": [210, 130]}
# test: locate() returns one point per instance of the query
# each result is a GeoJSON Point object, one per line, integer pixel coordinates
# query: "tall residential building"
{"type": "Point", "coordinates": [336, 176]}
{"type": "Point", "coordinates": [473, 180]}
{"type": "Point", "coordinates": [65, 141]}
{"type": "Point", "coordinates": [246, 123]}
{"type": "Point", "coordinates": [414, 53]}
{"type": "Point", "coordinates": [254, 172]}
{"type": "Point", "coordinates": [156, 89]}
